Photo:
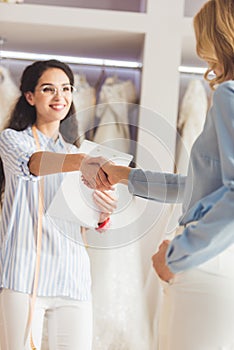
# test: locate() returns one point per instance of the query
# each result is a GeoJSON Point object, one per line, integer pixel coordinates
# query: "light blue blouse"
{"type": "Point", "coordinates": [65, 265]}
{"type": "Point", "coordinates": [207, 192]}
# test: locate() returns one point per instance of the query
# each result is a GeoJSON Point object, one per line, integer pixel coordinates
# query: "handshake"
{"type": "Point", "coordinates": [101, 174]}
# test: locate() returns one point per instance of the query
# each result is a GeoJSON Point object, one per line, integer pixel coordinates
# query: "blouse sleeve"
{"type": "Point", "coordinates": [15, 152]}
{"type": "Point", "coordinates": [161, 187]}
{"type": "Point", "coordinates": [215, 231]}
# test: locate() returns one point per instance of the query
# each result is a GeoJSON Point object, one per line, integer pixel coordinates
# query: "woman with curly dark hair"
{"type": "Point", "coordinates": [42, 270]}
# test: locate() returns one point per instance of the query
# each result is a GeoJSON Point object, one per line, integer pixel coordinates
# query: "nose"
{"type": "Point", "coordinates": [58, 92]}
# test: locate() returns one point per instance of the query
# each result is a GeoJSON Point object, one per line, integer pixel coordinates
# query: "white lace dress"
{"type": "Point", "coordinates": [9, 93]}
{"type": "Point", "coordinates": [112, 113]}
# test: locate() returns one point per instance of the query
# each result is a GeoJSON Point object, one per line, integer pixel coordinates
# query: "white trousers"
{"type": "Point", "coordinates": [198, 307]}
{"type": "Point", "coordinates": [69, 322]}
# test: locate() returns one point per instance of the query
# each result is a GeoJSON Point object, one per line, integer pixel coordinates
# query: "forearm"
{"type": "Point", "coordinates": [162, 187]}
{"type": "Point", "coordinates": [210, 236]}
{"type": "Point", "coordinates": [120, 174]}
{"type": "Point", "coordinates": [46, 163]}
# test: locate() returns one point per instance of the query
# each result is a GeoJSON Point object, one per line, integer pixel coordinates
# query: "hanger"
{"type": "Point", "coordinates": [100, 80]}
{"type": "Point", "coordinates": [1, 77]}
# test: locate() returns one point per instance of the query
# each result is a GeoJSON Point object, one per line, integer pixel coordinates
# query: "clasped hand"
{"type": "Point", "coordinates": [97, 173]}
{"type": "Point", "coordinates": [100, 173]}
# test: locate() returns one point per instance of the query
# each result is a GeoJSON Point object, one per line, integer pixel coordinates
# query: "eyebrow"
{"type": "Point", "coordinates": [51, 84]}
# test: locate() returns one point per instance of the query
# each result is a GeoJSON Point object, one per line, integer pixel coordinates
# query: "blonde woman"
{"type": "Point", "coordinates": [197, 266]}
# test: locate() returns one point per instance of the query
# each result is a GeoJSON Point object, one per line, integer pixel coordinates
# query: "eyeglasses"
{"type": "Point", "coordinates": [52, 90]}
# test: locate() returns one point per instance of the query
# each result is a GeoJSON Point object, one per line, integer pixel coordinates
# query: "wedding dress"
{"type": "Point", "coordinates": [112, 113]}
{"type": "Point", "coordinates": [191, 120]}
{"type": "Point", "coordinates": [190, 123]}
{"type": "Point", "coordinates": [120, 321]}
{"type": "Point", "coordinates": [120, 314]}
{"type": "Point", "coordinates": [84, 100]}
{"type": "Point", "coordinates": [13, 1]}
{"type": "Point", "coordinates": [9, 93]}
{"type": "Point", "coordinates": [119, 303]}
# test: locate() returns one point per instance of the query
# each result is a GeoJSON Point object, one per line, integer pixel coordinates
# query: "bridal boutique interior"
{"type": "Point", "coordinates": [155, 106]}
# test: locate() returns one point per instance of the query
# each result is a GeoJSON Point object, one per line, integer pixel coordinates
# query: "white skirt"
{"type": "Point", "coordinates": [198, 307]}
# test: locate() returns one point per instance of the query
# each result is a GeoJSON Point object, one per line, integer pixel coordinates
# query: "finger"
{"type": "Point", "coordinates": [87, 184]}
{"type": "Point", "coordinates": [103, 206]}
{"type": "Point", "coordinates": [93, 183]}
{"type": "Point", "coordinates": [107, 195]}
{"type": "Point", "coordinates": [95, 178]}
{"type": "Point", "coordinates": [85, 181]}
{"type": "Point", "coordinates": [104, 179]}
{"type": "Point", "coordinates": [104, 202]}
{"type": "Point", "coordinates": [166, 241]}
{"type": "Point", "coordinates": [104, 216]}
{"type": "Point", "coordinates": [107, 198]}
{"type": "Point", "coordinates": [153, 257]}
{"type": "Point", "coordinates": [100, 186]}
{"type": "Point", "coordinates": [161, 246]}
{"type": "Point", "coordinates": [164, 244]}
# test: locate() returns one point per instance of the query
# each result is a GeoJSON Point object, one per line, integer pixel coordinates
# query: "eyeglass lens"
{"type": "Point", "coordinates": [52, 90]}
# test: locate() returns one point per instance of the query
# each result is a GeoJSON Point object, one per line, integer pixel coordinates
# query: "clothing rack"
{"type": "Point", "coordinates": [98, 62]}
{"type": "Point", "coordinates": [192, 70]}
{"type": "Point", "coordinates": [94, 62]}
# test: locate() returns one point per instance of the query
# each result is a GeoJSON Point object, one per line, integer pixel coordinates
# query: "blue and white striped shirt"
{"type": "Point", "coordinates": [65, 265]}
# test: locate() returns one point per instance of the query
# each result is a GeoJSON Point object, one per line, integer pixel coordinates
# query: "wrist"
{"type": "Point", "coordinates": [80, 158]}
{"type": "Point", "coordinates": [122, 173]}
{"type": "Point", "coordinates": [103, 225]}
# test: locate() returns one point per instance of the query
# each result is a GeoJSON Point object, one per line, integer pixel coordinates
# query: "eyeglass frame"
{"type": "Point", "coordinates": [57, 89]}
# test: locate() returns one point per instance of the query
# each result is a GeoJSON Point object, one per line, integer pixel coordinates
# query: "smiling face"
{"type": "Point", "coordinates": [51, 108]}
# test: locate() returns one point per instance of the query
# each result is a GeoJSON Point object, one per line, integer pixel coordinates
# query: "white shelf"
{"type": "Point", "coordinates": [87, 33]}
{"type": "Point", "coordinates": [158, 38]}
{"type": "Point", "coordinates": [73, 31]}
{"type": "Point", "coordinates": [120, 5]}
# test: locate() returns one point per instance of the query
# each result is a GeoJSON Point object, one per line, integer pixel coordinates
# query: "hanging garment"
{"type": "Point", "coordinates": [8, 95]}
{"type": "Point", "coordinates": [191, 121]}
{"type": "Point", "coordinates": [112, 113]}
{"type": "Point", "coordinates": [84, 100]}
{"type": "Point", "coordinates": [190, 124]}
{"type": "Point", "coordinates": [120, 321]}
{"type": "Point", "coordinates": [13, 1]}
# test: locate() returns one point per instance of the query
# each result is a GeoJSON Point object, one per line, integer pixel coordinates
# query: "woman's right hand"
{"type": "Point", "coordinates": [93, 175]}
{"type": "Point", "coordinates": [114, 173]}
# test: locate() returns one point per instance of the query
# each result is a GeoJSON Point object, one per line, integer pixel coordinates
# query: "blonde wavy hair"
{"type": "Point", "coordinates": [214, 31]}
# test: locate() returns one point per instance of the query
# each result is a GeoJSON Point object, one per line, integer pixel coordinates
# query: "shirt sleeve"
{"type": "Point", "coordinates": [15, 152]}
{"type": "Point", "coordinates": [161, 187]}
{"type": "Point", "coordinates": [215, 231]}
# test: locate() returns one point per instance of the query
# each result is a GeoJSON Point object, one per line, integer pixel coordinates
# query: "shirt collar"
{"type": "Point", "coordinates": [47, 142]}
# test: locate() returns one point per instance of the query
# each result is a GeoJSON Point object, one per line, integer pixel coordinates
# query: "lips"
{"type": "Point", "coordinates": [57, 107]}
